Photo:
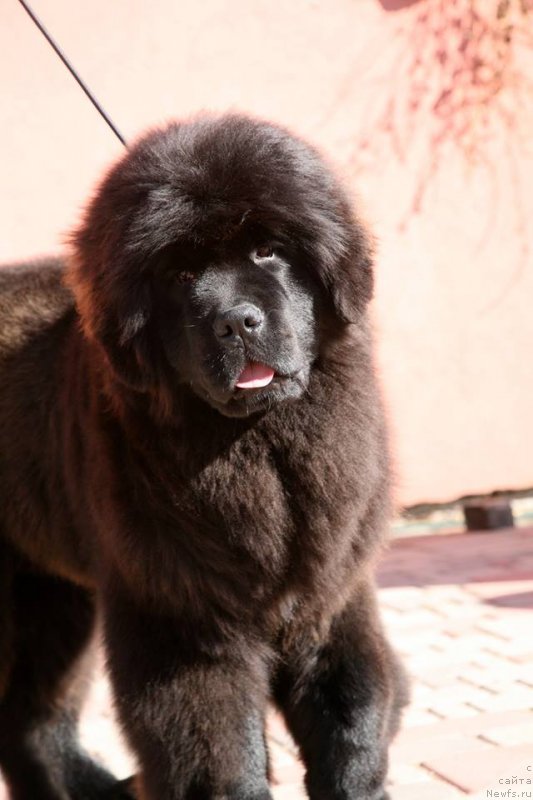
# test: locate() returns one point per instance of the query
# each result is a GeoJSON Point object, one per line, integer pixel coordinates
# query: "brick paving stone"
{"type": "Point", "coordinates": [520, 651]}
{"type": "Point", "coordinates": [284, 763]}
{"type": "Point", "coordinates": [511, 735]}
{"type": "Point", "coordinates": [450, 709]}
{"type": "Point", "coordinates": [278, 733]}
{"type": "Point", "coordinates": [492, 590]}
{"type": "Point", "coordinates": [438, 677]}
{"type": "Point", "coordinates": [425, 748]}
{"type": "Point", "coordinates": [482, 768]}
{"type": "Point", "coordinates": [292, 773]}
{"type": "Point", "coordinates": [289, 791]}
{"type": "Point", "coordinates": [416, 717]}
{"type": "Point", "coordinates": [507, 674]}
{"type": "Point", "coordinates": [406, 774]}
{"type": "Point", "coordinates": [474, 725]}
{"type": "Point", "coordinates": [428, 790]}
{"type": "Point", "coordinates": [460, 692]}
{"type": "Point", "coordinates": [507, 628]}
{"type": "Point", "coordinates": [419, 620]}
{"type": "Point", "coordinates": [509, 700]}
{"type": "Point", "coordinates": [403, 599]}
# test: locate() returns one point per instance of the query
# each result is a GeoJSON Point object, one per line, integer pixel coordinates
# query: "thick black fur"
{"type": "Point", "coordinates": [227, 535]}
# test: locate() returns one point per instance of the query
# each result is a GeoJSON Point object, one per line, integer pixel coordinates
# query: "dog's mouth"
{"type": "Point", "coordinates": [261, 380]}
{"type": "Point", "coordinates": [255, 375]}
{"type": "Point", "coordinates": [257, 386]}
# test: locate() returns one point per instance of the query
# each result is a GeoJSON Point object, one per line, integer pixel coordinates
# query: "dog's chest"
{"type": "Point", "coordinates": [286, 506]}
{"type": "Point", "coordinates": [250, 514]}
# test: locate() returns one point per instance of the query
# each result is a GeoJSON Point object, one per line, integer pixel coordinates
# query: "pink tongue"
{"type": "Point", "coordinates": [254, 376]}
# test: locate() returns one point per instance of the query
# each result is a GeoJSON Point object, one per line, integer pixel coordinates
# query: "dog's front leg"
{"type": "Point", "coordinates": [193, 715]}
{"type": "Point", "coordinates": [341, 692]}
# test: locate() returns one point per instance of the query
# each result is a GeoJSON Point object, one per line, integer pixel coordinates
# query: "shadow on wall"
{"type": "Point", "coordinates": [518, 600]}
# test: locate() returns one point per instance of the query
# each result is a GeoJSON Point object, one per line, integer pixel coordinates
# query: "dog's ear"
{"type": "Point", "coordinates": [344, 256]}
{"type": "Point", "coordinates": [117, 322]}
{"type": "Point", "coordinates": [109, 276]}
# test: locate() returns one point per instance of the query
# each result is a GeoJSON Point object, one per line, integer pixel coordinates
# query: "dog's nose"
{"type": "Point", "coordinates": [243, 320]}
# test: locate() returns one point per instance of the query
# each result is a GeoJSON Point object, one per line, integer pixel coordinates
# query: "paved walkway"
{"type": "Point", "coordinates": [459, 608]}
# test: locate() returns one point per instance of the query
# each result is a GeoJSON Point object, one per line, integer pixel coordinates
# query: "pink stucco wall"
{"type": "Point", "coordinates": [454, 280]}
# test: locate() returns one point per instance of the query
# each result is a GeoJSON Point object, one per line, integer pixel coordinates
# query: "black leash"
{"type": "Point", "coordinates": [72, 71]}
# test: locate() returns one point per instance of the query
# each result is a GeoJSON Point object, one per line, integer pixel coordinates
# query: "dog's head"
{"type": "Point", "coordinates": [214, 255]}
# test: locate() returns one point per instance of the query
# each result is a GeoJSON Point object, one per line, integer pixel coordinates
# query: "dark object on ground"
{"type": "Point", "coordinates": [193, 442]}
{"type": "Point", "coordinates": [489, 514]}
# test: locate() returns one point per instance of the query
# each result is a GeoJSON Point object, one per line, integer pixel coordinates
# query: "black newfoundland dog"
{"type": "Point", "coordinates": [192, 443]}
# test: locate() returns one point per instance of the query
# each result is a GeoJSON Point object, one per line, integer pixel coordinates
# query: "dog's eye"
{"type": "Point", "coordinates": [183, 277]}
{"type": "Point", "coordinates": [263, 251]}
